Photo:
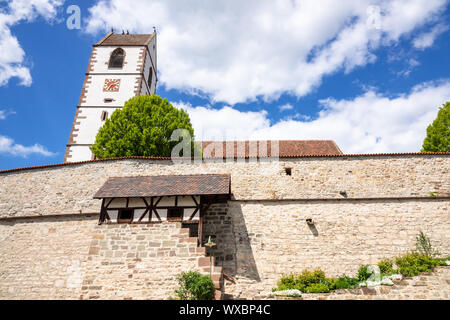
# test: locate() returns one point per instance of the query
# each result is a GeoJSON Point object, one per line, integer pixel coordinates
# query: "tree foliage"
{"type": "Point", "coordinates": [438, 133]}
{"type": "Point", "coordinates": [143, 127]}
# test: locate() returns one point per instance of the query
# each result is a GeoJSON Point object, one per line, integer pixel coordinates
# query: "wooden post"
{"type": "Point", "coordinates": [102, 216]}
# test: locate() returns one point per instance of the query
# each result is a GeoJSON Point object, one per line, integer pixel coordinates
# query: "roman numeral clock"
{"type": "Point", "coordinates": [111, 85]}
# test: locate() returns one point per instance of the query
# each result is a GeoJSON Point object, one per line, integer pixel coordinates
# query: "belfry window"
{"type": "Point", "coordinates": [104, 115]}
{"type": "Point", "coordinates": [116, 59]}
{"type": "Point", "coordinates": [150, 78]}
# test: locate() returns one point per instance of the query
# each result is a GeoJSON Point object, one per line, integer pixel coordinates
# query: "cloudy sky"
{"type": "Point", "coordinates": [368, 74]}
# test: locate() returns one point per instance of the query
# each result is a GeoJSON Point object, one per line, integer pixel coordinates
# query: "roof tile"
{"type": "Point", "coordinates": [151, 186]}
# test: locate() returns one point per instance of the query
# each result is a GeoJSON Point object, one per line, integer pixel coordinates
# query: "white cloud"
{"type": "Point", "coordinates": [425, 40]}
{"type": "Point", "coordinates": [12, 57]}
{"type": "Point", "coordinates": [285, 107]}
{"type": "Point", "coordinates": [8, 146]}
{"type": "Point", "coordinates": [369, 123]}
{"type": "Point", "coordinates": [236, 51]}
{"type": "Point", "coordinates": [5, 113]}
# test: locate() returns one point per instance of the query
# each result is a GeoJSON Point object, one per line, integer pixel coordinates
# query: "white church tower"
{"type": "Point", "coordinates": [121, 67]}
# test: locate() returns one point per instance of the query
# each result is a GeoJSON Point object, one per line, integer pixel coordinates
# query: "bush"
{"type": "Point", "coordinates": [318, 288]}
{"type": "Point", "coordinates": [345, 282]}
{"type": "Point", "coordinates": [413, 263]}
{"type": "Point", "coordinates": [304, 281]}
{"type": "Point", "coordinates": [363, 273]}
{"type": "Point", "coordinates": [386, 266]}
{"type": "Point", "coordinates": [194, 286]}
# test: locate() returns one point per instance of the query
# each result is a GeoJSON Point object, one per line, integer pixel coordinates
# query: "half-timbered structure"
{"type": "Point", "coordinates": [176, 198]}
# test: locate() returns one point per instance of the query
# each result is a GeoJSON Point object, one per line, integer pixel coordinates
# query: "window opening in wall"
{"type": "Point", "coordinates": [288, 171]}
{"type": "Point", "coordinates": [116, 59]}
{"type": "Point", "coordinates": [108, 100]}
{"type": "Point", "coordinates": [175, 214]}
{"type": "Point", "coordinates": [125, 216]}
{"type": "Point", "coordinates": [150, 78]}
{"type": "Point", "coordinates": [104, 115]}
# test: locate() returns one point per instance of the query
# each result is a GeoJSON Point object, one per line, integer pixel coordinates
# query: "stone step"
{"type": "Point", "coordinates": [205, 262]}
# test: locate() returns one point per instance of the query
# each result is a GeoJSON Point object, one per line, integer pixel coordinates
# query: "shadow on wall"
{"type": "Point", "coordinates": [233, 251]}
{"type": "Point", "coordinates": [245, 261]}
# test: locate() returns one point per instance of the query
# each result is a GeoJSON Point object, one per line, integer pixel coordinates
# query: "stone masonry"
{"type": "Point", "coordinates": [139, 261]}
{"type": "Point", "coordinates": [364, 208]}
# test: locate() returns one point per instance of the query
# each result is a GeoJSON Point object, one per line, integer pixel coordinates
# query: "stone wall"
{"type": "Point", "coordinates": [138, 261]}
{"type": "Point", "coordinates": [260, 234]}
{"type": "Point", "coordinates": [272, 237]}
{"type": "Point", "coordinates": [69, 189]}
{"type": "Point", "coordinates": [44, 258]}
{"type": "Point", "coordinates": [72, 257]}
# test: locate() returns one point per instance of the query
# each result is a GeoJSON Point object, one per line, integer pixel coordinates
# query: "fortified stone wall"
{"type": "Point", "coordinates": [71, 257]}
{"type": "Point", "coordinates": [44, 258]}
{"type": "Point", "coordinates": [138, 261]}
{"type": "Point", "coordinates": [364, 208]}
{"type": "Point", "coordinates": [272, 237]}
{"type": "Point", "coordinates": [70, 188]}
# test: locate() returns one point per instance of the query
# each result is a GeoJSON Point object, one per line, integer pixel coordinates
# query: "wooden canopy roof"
{"type": "Point", "coordinates": [173, 185]}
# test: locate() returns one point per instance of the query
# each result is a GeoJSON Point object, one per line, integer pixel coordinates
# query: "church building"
{"type": "Point", "coordinates": [122, 66]}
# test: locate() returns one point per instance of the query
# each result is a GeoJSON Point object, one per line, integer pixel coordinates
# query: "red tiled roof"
{"type": "Point", "coordinates": [113, 39]}
{"type": "Point", "coordinates": [152, 186]}
{"type": "Point", "coordinates": [263, 149]}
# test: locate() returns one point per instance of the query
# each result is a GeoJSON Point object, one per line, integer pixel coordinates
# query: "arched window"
{"type": "Point", "coordinates": [116, 59]}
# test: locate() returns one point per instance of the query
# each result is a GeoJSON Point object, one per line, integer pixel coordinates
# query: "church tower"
{"type": "Point", "coordinates": [122, 66]}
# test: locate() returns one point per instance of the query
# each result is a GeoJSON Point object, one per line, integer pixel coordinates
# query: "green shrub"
{"type": "Point", "coordinates": [413, 263]}
{"type": "Point", "coordinates": [302, 281]}
{"type": "Point", "coordinates": [424, 247]}
{"type": "Point", "coordinates": [363, 273]}
{"type": "Point", "coordinates": [345, 282]}
{"type": "Point", "coordinates": [386, 266]}
{"type": "Point", "coordinates": [318, 288]}
{"type": "Point", "coordinates": [194, 286]}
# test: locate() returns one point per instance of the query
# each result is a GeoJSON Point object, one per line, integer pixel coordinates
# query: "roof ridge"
{"type": "Point", "coordinates": [104, 38]}
{"type": "Point", "coordinates": [235, 157]}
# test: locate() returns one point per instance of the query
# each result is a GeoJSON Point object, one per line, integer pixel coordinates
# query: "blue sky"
{"type": "Point", "coordinates": [370, 75]}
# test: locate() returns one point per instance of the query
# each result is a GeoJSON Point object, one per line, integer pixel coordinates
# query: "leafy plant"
{"type": "Point", "coordinates": [194, 286]}
{"type": "Point", "coordinates": [424, 247]}
{"type": "Point", "coordinates": [304, 281]}
{"type": "Point", "coordinates": [318, 288]}
{"type": "Point", "coordinates": [413, 263]}
{"type": "Point", "coordinates": [386, 266]}
{"type": "Point", "coordinates": [438, 133]}
{"type": "Point", "coordinates": [143, 127]}
{"type": "Point", "coordinates": [345, 282]}
{"type": "Point", "coordinates": [363, 273]}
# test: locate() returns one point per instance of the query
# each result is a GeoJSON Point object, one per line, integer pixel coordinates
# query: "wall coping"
{"type": "Point", "coordinates": [333, 156]}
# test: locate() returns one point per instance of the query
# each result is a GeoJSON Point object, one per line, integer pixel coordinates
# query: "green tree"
{"type": "Point", "coordinates": [438, 133]}
{"type": "Point", "coordinates": [143, 127]}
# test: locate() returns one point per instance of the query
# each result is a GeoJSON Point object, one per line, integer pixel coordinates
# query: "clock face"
{"type": "Point", "coordinates": [111, 85]}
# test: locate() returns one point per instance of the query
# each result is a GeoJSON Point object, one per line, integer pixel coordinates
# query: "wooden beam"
{"type": "Point", "coordinates": [109, 202]}
{"type": "Point", "coordinates": [143, 215]}
{"type": "Point", "coordinates": [194, 213]}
